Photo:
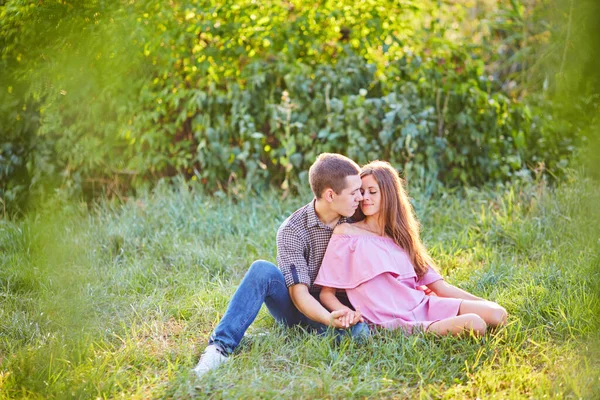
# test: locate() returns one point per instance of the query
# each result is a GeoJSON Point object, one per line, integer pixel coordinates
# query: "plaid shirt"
{"type": "Point", "coordinates": [301, 243]}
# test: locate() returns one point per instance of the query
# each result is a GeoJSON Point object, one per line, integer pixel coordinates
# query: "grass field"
{"type": "Point", "coordinates": [118, 300]}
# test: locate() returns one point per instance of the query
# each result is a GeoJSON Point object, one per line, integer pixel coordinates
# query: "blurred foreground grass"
{"type": "Point", "coordinates": [120, 299]}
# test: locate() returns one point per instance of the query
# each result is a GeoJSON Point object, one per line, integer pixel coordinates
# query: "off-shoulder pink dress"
{"type": "Point", "coordinates": [379, 277]}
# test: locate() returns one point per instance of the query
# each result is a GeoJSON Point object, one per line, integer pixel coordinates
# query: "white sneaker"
{"type": "Point", "coordinates": [211, 359]}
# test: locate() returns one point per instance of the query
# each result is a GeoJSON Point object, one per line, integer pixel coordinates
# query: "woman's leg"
{"type": "Point", "coordinates": [493, 314]}
{"type": "Point", "coordinates": [460, 324]}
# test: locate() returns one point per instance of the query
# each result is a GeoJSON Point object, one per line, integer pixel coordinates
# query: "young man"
{"type": "Point", "coordinates": [288, 291]}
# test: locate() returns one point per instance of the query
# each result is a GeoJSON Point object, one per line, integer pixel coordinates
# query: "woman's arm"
{"type": "Point", "coordinates": [444, 289]}
{"type": "Point", "coordinates": [309, 306]}
{"type": "Point", "coordinates": [330, 301]}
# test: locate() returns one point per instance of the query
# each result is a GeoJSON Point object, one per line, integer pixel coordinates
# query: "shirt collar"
{"type": "Point", "coordinates": [313, 220]}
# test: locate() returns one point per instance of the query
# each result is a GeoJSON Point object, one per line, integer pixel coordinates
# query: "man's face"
{"type": "Point", "coordinates": [346, 202]}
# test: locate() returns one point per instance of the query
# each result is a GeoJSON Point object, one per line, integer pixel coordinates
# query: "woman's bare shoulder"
{"type": "Point", "coordinates": [342, 229]}
{"type": "Point", "coordinates": [351, 229]}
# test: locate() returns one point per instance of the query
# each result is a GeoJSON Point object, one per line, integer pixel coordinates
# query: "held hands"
{"type": "Point", "coordinates": [345, 318]}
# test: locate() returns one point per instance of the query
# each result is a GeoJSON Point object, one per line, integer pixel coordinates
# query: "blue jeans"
{"type": "Point", "coordinates": [264, 283]}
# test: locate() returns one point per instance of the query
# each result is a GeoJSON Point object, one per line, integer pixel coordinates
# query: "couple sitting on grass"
{"type": "Point", "coordinates": [347, 276]}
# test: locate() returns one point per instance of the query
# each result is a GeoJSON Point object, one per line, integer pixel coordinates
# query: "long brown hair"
{"type": "Point", "coordinates": [397, 215]}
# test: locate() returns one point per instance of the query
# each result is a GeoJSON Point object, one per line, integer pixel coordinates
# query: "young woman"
{"type": "Point", "coordinates": [386, 272]}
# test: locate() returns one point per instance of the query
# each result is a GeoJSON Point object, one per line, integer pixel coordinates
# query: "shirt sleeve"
{"type": "Point", "coordinates": [430, 276]}
{"type": "Point", "coordinates": [290, 257]}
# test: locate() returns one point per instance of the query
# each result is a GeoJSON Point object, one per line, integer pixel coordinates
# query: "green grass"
{"type": "Point", "coordinates": [119, 300]}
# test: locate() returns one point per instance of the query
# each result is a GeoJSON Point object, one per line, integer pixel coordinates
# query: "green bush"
{"type": "Point", "coordinates": [120, 94]}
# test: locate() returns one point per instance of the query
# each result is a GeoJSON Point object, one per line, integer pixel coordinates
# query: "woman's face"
{"type": "Point", "coordinates": [371, 202]}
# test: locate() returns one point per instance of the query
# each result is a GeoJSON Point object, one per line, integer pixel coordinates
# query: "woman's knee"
{"type": "Point", "coordinates": [475, 323]}
{"type": "Point", "coordinates": [498, 316]}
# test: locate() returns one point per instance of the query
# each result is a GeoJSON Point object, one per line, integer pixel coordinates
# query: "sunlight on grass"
{"type": "Point", "coordinates": [120, 300]}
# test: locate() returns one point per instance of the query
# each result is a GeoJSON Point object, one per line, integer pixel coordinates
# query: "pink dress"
{"type": "Point", "coordinates": [379, 277]}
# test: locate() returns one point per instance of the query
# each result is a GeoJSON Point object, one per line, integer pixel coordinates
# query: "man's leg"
{"type": "Point", "coordinates": [284, 311]}
{"type": "Point", "coordinates": [264, 283]}
{"type": "Point", "coordinates": [281, 307]}
{"type": "Point", "coordinates": [358, 333]}
{"type": "Point", "coordinates": [241, 312]}
{"type": "Point", "coordinates": [261, 282]}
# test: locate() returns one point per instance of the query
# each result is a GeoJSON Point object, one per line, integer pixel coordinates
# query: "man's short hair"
{"type": "Point", "coordinates": [330, 171]}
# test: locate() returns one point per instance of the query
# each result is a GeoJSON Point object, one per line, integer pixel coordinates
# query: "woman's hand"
{"type": "Point", "coordinates": [345, 318]}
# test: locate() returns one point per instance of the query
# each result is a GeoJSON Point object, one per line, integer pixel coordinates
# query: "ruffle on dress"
{"type": "Point", "coordinates": [351, 260]}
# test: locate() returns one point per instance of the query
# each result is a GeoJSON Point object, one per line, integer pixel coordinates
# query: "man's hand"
{"type": "Point", "coordinates": [345, 318]}
{"type": "Point", "coordinates": [341, 318]}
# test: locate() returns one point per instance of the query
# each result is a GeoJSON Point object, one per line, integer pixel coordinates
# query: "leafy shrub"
{"type": "Point", "coordinates": [119, 95]}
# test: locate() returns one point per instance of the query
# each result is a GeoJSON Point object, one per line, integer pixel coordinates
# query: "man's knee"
{"type": "Point", "coordinates": [266, 270]}
{"type": "Point", "coordinates": [360, 332]}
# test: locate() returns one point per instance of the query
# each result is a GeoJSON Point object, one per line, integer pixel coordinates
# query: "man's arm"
{"type": "Point", "coordinates": [310, 307]}
{"type": "Point", "coordinates": [293, 265]}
